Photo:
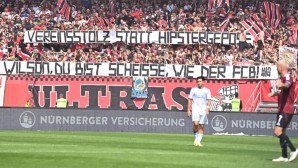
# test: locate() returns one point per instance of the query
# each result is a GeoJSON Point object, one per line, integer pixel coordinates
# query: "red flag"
{"type": "Point", "coordinates": [101, 21]}
{"type": "Point", "coordinates": [293, 38]}
{"type": "Point", "coordinates": [112, 6]}
{"type": "Point", "coordinates": [272, 13]}
{"type": "Point", "coordinates": [256, 23]}
{"type": "Point", "coordinates": [64, 8]}
{"type": "Point", "coordinates": [67, 13]}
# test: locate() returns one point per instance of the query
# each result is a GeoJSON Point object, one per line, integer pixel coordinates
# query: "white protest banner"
{"type": "Point", "coordinates": [133, 37]}
{"type": "Point", "coordinates": [126, 69]}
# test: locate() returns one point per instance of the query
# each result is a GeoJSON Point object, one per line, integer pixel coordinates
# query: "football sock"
{"type": "Point", "coordinates": [283, 145]}
{"type": "Point", "coordinates": [196, 135]}
{"type": "Point", "coordinates": [286, 139]}
{"type": "Point", "coordinates": [200, 137]}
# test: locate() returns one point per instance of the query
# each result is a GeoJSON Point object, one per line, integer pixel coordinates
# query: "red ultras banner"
{"type": "Point", "coordinates": [115, 92]}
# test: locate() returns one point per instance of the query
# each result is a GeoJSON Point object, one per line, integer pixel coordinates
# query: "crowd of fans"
{"type": "Point", "coordinates": [16, 16]}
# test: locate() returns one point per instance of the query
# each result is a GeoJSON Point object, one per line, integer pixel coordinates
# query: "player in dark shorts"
{"type": "Point", "coordinates": [286, 99]}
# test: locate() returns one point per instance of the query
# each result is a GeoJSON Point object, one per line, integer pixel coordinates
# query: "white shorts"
{"type": "Point", "coordinates": [203, 119]}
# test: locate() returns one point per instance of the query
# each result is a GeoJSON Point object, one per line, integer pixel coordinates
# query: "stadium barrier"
{"type": "Point", "coordinates": [137, 121]}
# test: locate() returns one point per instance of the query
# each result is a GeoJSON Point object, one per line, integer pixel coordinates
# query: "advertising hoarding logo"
{"type": "Point", "coordinates": [219, 123]}
{"type": "Point", "coordinates": [27, 119]}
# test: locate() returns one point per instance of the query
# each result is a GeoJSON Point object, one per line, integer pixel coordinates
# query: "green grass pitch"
{"type": "Point", "coordinates": [95, 149]}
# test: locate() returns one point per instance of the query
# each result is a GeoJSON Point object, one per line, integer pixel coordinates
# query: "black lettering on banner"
{"type": "Point", "coordinates": [225, 39]}
{"type": "Point", "coordinates": [188, 36]}
{"type": "Point", "coordinates": [145, 69]}
{"type": "Point", "coordinates": [20, 69]}
{"type": "Point", "coordinates": [133, 36]}
{"type": "Point", "coordinates": [31, 36]}
{"type": "Point", "coordinates": [46, 37]}
{"type": "Point", "coordinates": [189, 71]}
{"type": "Point", "coordinates": [17, 67]}
{"type": "Point", "coordinates": [126, 36]}
{"type": "Point", "coordinates": [93, 91]}
{"type": "Point", "coordinates": [79, 69]}
{"type": "Point", "coordinates": [35, 90]}
{"type": "Point", "coordinates": [88, 69]}
{"type": "Point", "coordinates": [266, 71]}
{"type": "Point", "coordinates": [47, 95]}
{"type": "Point", "coordinates": [85, 35]}
{"type": "Point", "coordinates": [136, 70]}
{"type": "Point", "coordinates": [194, 37]}
{"type": "Point", "coordinates": [161, 68]}
{"type": "Point", "coordinates": [217, 38]}
{"type": "Point", "coordinates": [58, 69]}
{"type": "Point", "coordinates": [253, 73]}
{"type": "Point", "coordinates": [221, 72]}
{"type": "Point", "coordinates": [168, 36]}
{"type": "Point", "coordinates": [96, 37]}
{"type": "Point", "coordinates": [99, 37]}
{"type": "Point", "coordinates": [177, 72]}
{"type": "Point", "coordinates": [243, 70]}
{"type": "Point", "coordinates": [232, 38]}
{"type": "Point", "coordinates": [213, 72]}
{"type": "Point", "coordinates": [53, 37]}
{"type": "Point", "coordinates": [69, 36]}
{"type": "Point", "coordinates": [39, 36]}
{"type": "Point", "coordinates": [113, 68]}
{"type": "Point", "coordinates": [180, 36]}
{"type": "Point", "coordinates": [210, 37]}
{"type": "Point", "coordinates": [38, 68]}
{"type": "Point", "coordinates": [204, 71]}
{"type": "Point", "coordinates": [149, 35]}
{"type": "Point", "coordinates": [202, 38]}
{"type": "Point", "coordinates": [63, 36]}
{"type": "Point", "coordinates": [118, 35]}
{"type": "Point", "coordinates": [153, 70]}
{"type": "Point", "coordinates": [59, 36]}
{"type": "Point", "coordinates": [106, 37]}
{"type": "Point", "coordinates": [44, 68]}
{"type": "Point", "coordinates": [172, 35]}
{"type": "Point", "coordinates": [9, 70]}
{"type": "Point", "coordinates": [181, 100]}
{"type": "Point", "coordinates": [236, 70]}
{"type": "Point", "coordinates": [127, 68]}
{"type": "Point", "coordinates": [77, 36]}
{"type": "Point", "coordinates": [66, 68]}
{"type": "Point", "coordinates": [97, 68]}
{"type": "Point", "coordinates": [141, 36]}
{"type": "Point", "coordinates": [30, 67]}
{"type": "Point", "coordinates": [119, 67]}
{"type": "Point", "coordinates": [159, 102]}
{"type": "Point", "coordinates": [162, 36]}
{"type": "Point", "coordinates": [117, 98]}
{"type": "Point", "coordinates": [92, 36]}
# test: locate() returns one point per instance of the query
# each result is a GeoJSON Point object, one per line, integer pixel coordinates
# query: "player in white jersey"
{"type": "Point", "coordinates": [198, 107]}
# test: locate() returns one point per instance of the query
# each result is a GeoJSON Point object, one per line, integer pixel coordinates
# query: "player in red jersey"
{"type": "Point", "coordinates": [286, 98]}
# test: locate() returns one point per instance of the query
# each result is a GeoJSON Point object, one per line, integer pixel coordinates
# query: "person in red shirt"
{"type": "Point", "coordinates": [286, 98]}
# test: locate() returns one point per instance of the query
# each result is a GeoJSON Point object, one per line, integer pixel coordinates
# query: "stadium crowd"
{"type": "Point", "coordinates": [16, 16]}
